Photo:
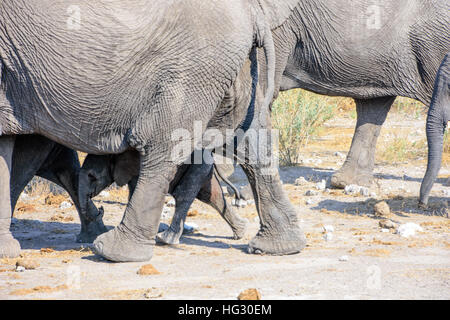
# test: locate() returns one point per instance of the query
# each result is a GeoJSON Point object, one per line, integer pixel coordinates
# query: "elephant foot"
{"type": "Point", "coordinates": [290, 240]}
{"type": "Point", "coordinates": [348, 176]}
{"type": "Point", "coordinates": [117, 246]}
{"type": "Point", "coordinates": [91, 232]}
{"type": "Point", "coordinates": [169, 237]}
{"type": "Point", "coordinates": [9, 247]}
{"type": "Point", "coordinates": [239, 229]}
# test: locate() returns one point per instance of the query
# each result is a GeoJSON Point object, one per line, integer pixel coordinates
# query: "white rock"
{"type": "Point", "coordinates": [328, 228]}
{"type": "Point", "coordinates": [344, 258]}
{"type": "Point", "coordinates": [171, 203]}
{"type": "Point", "coordinates": [446, 192]}
{"type": "Point", "coordinates": [24, 196]}
{"type": "Point", "coordinates": [385, 230]}
{"type": "Point", "coordinates": [65, 205]}
{"type": "Point", "coordinates": [190, 227]}
{"type": "Point", "coordinates": [321, 185]}
{"type": "Point", "coordinates": [225, 191]}
{"type": "Point", "coordinates": [328, 236]}
{"type": "Point", "coordinates": [339, 154]}
{"type": "Point", "coordinates": [352, 189]}
{"type": "Point", "coordinates": [318, 161]}
{"type": "Point", "coordinates": [409, 229]}
{"type": "Point", "coordinates": [104, 194]}
{"type": "Point", "coordinates": [373, 195]}
{"type": "Point", "coordinates": [311, 193]}
{"type": "Point", "coordinates": [300, 181]}
{"type": "Point", "coordinates": [20, 269]}
{"type": "Point", "coordinates": [239, 203]}
{"type": "Point", "coordinates": [310, 202]}
{"type": "Point", "coordinates": [365, 192]}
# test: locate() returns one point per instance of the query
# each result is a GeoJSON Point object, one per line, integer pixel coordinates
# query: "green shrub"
{"type": "Point", "coordinates": [297, 115]}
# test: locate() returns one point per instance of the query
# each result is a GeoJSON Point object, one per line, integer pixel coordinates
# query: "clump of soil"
{"type": "Point", "coordinates": [28, 264]}
{"type": "Point", "coordinates": [25, 208]}
{"type": "Point", "coordinates": [382, 209]}
{"type": "Point", "coordinates": [39, 289]}
{"type": "Point", "coordinates": [192, 213]}
{"type": "Point", "coordinates": [148, 270]}
{"type": "Point", "coordinates": [54, 200]}
{"type": "Point", "coordinates": [250, 294]}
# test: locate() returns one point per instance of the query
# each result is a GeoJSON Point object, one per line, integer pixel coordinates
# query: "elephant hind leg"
{"type": "Point", "coordinates": [9, 247]}
{"type": "Point", "coordinates": [360, 162]}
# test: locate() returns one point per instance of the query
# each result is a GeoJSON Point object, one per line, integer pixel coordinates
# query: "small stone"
{"type": "Point", "coordinates": [352, 189]}
{"type": "Point", "coordinates": [310, 202]}
{"type": "Point", "coordinates": [27, 264]}
{"type": "Point", "coordinates": [388, 224]}
{"type": "Point", "coordinates": [373, 195]}
{"type": "Point", "coordinates": [385, 230]}
{"type": "Point", "coordinates": [20, 269]}
{"type": "Point", "coordinates": [339, 155]}
{"type": "Point", "coordinates": [171, 203]}
{"type": "Point", "coordinates": [321, 185]}
{"type": "Point", "coordinates": [240, 203]}
{"type": "Point", "coordinates": [104, 194]}
{"type": "Point", "coordinates": [190, 227]}
{"type": "Point", "coordinates": [148, 270]}
{"type": "Point", "coordinates": [65, 205]}
{"type": "Point", "coordinates": [301, 181]}
{"type": "Point", "coordinates": [311, 193]}
{"type": "Point", "coordinates": [344, 258]}
{"type": "Point", "coordinates": [250, 294]}
{"type": "Point", "coordinates": [446, 192]}
{"type": "Point", "coordinates": [328, 237]}
{"type": "Point", "coordinates": [153, 293]}
{"type": "Point", "coordinates": [365, 192]}
{"type": "Point", "coordinates": [328, 229]}
{"type": "Point", "coordinates": [382, 209]}
{"type": "Point", "coordinates": [409, 229]}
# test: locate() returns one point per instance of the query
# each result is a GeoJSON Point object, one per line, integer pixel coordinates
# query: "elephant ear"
{"type": "Point", "coordinates": [277, 11]}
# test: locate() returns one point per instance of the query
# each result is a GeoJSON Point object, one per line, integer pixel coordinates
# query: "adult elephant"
{"type": "Point", "coordinates": [372, 51]}
{"type": "Point", "coordinates": [107, 78]}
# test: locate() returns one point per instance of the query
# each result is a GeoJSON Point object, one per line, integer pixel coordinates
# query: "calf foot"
{"type": "Point", "coordinates": [239, 229]}
{"type": "Point", "coordinates": [119, 246]}
{"type": "Point", "coordinates": [289, 240]}
{"type": "Point", "coordinates": [9, 247]}
{"type": "Point", "coordinates": [350, 175]}
{"type": "Point", "coordinates": [169, 236]}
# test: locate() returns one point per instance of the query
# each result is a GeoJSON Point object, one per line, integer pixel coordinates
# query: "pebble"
{"type": "Point", "coordinates": [311, 193]}
{"type": "Point", "coordinates": [104, 194]}
{"type": "Point", "coordinates": [387, 224]}
{"type": "Point", "coordinates": [328, 237]}
{"type": "Point", "coordinates": [171, 203]}
{"type": "Point", "coordinates": [409, 229]}
{"type": "Point", "coordinates": [250, 294]}
{"type": "Point", "coordinates": [385, 230]}
{"type": "Point", "coordinates": [27, 264]}
{"type": "Point", "coordinates": [300, 181]}
{"type": "Point", "coordinates": [310, 202]}
{"type": "Point", "coordinates": [328, 228]}
{"type": "Point", "coordinates": [65, 205]}
{"type": "Point", "coordinates": [153, 293]}
{"type": "Point", "coordinates": [344, 258]}
{"type": "Point", "coordinates": [239, 203]}
{"type": "Point", "coordinates": [382, 209]}
{"type": "Point", "coordinates": [20, 269]}
{"type": "Point", "coordinates": [339, 154]}
{"type": "Point", "coordinates": [321, 185]}
{"type": "Point", "coordinates": [446, 192]}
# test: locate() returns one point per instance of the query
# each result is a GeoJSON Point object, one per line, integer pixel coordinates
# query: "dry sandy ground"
{"type": "Point", "coordinates": [210, 265]}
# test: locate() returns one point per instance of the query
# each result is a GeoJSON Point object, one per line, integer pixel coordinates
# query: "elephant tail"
{"type": "Point", "coordinates": [264, 39]}
{"type": "Point", "coordinates": [438, 116]}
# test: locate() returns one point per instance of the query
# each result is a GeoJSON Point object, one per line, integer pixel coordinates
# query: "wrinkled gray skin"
{"type": "Point", "coordinates": [438, 118]}
{"type": "Point", "coordinates": [190, 182]}
{"type": "Point", "coordinates": [124, 79]}
{"type": "Point", "coordinates": [36, 155]}
{"type": "Point", "coordinates": [372, 52]}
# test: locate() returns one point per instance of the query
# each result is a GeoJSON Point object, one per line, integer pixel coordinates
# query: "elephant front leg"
{"type": "Point", "coordinates": [360, 162]}
{"type": "Point", "coordinates": [133, 239]}
{"type": "Point", "coordinates": [9, 247]}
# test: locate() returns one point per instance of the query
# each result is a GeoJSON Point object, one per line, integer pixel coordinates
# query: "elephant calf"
{"type": "Point", "coordinates": [191, 181]}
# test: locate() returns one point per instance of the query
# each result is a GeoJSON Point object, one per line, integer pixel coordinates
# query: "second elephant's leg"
{"type": "Point", "coordinates": [185, 193]}
{"type": "Point", "coordinates": [9, 247]}
{"type": "Point", "coordinates": [360, 162]}
{"type": "Point", "coordinates": [62, 167]}
{"type": "Point", "coordinates": [212, 194]}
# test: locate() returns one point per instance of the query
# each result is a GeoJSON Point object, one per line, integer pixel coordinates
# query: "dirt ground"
{"type": "Point", "coordinates": [360, 261]}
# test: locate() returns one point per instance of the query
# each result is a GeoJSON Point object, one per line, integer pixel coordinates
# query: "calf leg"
{"type": "Point", "coordinates": [9, 247]}
{"type": "Point", "coordinates": [62, 167]}
{"type": "Point", "coordinates": [360, 162]}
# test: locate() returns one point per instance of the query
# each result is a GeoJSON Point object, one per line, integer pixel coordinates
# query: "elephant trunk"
{"type": "Point", "coordinates": [438, 116]}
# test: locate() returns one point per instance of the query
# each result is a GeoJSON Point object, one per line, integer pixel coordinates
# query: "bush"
{"type": "Point", "coordinates": [297, 115]}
